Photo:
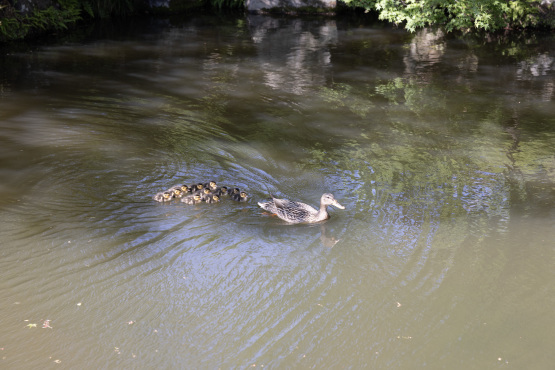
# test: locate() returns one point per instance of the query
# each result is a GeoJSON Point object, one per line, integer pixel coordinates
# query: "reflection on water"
{"type": "Point", "coordinates": [440, 148]}
{"type": "Point", "coordinates": [293, 64]}
{"type": "Point", "coordinates": [426, 49]}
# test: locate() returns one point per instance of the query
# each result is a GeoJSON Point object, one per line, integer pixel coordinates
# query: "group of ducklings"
{"type": "Point", "coordinates": [208, 192]}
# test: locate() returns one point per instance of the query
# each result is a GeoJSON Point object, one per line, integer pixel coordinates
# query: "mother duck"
{"type": "Point", "coordinates": [297, 212]}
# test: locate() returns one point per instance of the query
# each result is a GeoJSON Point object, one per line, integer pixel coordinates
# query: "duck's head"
{"type": "Point", "coordinates": [223, 189]}
{"type": "Point", "coordinates": [197, 198]}
{"type": "Point", "coordinates": [167, 195]}
{"type": "Point", "coordinates": [243, 194]}
{"type": "Point", "coordinates": [212, 185]}
{"type": "Point", "coordinates": [177, 192]}
{"type": "Point", "coordinates": [206, 191]}
{"type": "Point", "coordinates": [328, 200]}
{"type": "Point", "coordinates": [200, 186]}
{"type": "Point", "coordinates": [215, 198]}
{"type": "Point", "coordinates": [185, 188]}
{"type": "Point", "coordinates": [236, 191]}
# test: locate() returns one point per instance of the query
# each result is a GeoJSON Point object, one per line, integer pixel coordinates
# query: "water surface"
{"type": "Point", "coordinates": [440, 147]}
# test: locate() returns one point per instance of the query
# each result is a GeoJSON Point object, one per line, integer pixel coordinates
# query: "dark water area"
{"type": "Point", "coordinates": [441, 147]}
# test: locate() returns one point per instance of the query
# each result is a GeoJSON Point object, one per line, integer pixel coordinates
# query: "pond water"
{"type": "Point", "coordinates": [441, 148]}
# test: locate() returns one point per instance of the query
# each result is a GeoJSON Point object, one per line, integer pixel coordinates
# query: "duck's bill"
{"type": "Point", "coordinates": [336, 204]}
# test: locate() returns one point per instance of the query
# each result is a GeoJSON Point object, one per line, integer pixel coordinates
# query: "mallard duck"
{"type": "Point", "coordinates": [211, 185]}
{"type": "Point", "coordinates": [212, 198]}
{"type": "Point", "coordinates": [240, 197]}
{"type": "Point", "coordinates": [297, 212]}
{"type": "Point", "coordinates": [192, 199]}
{"type": "Point", "coordinates": [164, 196]}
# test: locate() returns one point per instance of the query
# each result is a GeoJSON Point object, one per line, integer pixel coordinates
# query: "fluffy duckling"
{"type": "Point", "coordinates": [212, 198]}
{"type": "Point", "coordinates": [234, 191]}
{"type": "Point", "coordinates": [211, 185]}
{"type": "Point", "coordinates": [241, 197]}
{"type": "Point", "coordinates": [164, 196]}
{"type": "Point", "coordinates": [177, 192]}
{"type": "Point", "coordinates": [192, 199]}
{"type": "Point", "coordinates": [221, 191]}
{"type": "Point", "coordinates": [197, 187]}
{"type": "Point", "coordinates": [205, 193]}
{"type": "Point", "coordinates": [185, 189]}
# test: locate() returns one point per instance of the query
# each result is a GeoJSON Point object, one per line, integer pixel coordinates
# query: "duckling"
{"type": "Point", "coordinates": [241, 197]}
{"type": "Point", "coordinates": [177, 192]}
{"type": "Point", "coordinates": [205, 193]}
{"type": "Point", "coordinates": [211, 185]}
{"type": "Point", "coordinates": [197, 188]}
{"type": "Point", "coordinates": [192, 199]}
{"type": "Point", "coordinates": [186, 189]}
{"type": "Point", "coordinates": [212, 198]}
{"type": "Point", "coordinates": [233, 191]}
{"type": "Point", "coordinates": [221, 191]}
{"type": "Point", "coordinates": [164, 196]}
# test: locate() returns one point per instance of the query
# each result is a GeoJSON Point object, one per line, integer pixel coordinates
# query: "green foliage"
{"type": "Point", "coordinates": [463, 15]}
{"type": "Point", "coordinates": [17, 26]}
{"type": "Point", "coordinates": [58, 16]}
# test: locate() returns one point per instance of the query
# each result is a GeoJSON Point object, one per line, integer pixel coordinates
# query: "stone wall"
{"type": "Point", "coordinates": [260, 6]}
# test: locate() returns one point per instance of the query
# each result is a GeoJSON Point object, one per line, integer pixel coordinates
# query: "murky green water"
{"type": "Point", "coordinates": [442, 150]}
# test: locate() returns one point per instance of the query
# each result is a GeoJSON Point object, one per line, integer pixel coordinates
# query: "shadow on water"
{"type": "Point", "coordinates": [440, 148]}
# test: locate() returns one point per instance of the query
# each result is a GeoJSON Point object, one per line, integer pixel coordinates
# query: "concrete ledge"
{"type": "Point", "coordinates": [265, 6]}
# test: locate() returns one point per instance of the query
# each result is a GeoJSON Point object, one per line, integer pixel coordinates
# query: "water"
{"type": "Point", "coordinates": [441, 148]}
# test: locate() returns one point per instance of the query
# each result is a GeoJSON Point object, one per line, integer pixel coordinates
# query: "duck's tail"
{"type": "Point", "coordinates": [269, 192]}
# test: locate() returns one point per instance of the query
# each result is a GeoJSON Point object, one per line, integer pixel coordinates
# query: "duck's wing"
{"type": "Point", "coordinates": [293, 211]}
{"type": "Point", "coordinates": [268, 206]}
{"type": "Point", "coordinates": [274, 204]}
{"type": "Point", "coordinates": [288, 204]}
